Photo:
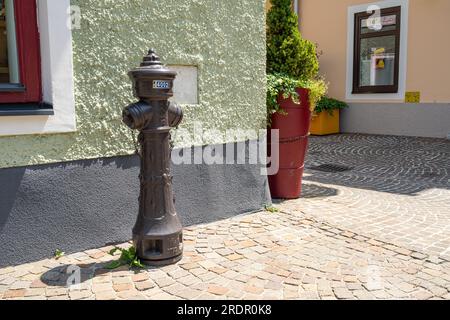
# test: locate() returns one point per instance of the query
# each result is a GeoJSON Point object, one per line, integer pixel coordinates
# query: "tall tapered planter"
{"type": "Point", "coordinates": [293, 131]}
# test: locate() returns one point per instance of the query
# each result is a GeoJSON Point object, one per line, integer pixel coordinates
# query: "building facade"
{"type": "Point", "coordinates": [387, 59]}
{"type": "Point", "coordinates": [68, 176]}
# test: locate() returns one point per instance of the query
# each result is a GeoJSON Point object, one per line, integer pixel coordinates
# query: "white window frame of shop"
{"type": "Point", "coordinates": [56, 73]}
{"type": "Point", "coordinates": [400, 95]}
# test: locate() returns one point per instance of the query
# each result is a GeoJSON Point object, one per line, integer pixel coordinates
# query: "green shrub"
{"type": "Point", "coordinates": [329, 104]}
{"type": "Point", "coordinates": [287, 52]}
{"type": "Point", "coordinates": [291, 60]}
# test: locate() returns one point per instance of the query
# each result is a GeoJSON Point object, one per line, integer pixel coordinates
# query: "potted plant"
{"type": "Point", "coordinates": [293, 89]}
{"type": "Point", "coordinates": [326, 116]}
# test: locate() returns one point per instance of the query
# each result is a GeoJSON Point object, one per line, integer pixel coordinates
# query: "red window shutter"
{"type": "Point", "coordinates": [28, 47]}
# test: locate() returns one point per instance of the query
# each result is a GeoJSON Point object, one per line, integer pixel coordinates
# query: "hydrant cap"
{"type": "Point", "coordinates": [152, 66]}
{"type": "Point", "coordinates": [152, 80]}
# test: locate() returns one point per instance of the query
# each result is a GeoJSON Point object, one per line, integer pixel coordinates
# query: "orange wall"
{"type": "Point", "coordinates": [325, 22]}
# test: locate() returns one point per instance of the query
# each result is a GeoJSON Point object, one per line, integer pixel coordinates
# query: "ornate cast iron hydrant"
{"type": "Point", "coordinates": [158, 234]}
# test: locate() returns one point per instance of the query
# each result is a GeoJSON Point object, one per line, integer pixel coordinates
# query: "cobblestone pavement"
{"type": "Point", "coordinates": [377, 231]}
{"type": "Point", "coordinates": [396, 189]}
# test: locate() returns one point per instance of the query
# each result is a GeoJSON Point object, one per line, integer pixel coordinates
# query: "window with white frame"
{"type": "Point", "coordinates": [377, 50]}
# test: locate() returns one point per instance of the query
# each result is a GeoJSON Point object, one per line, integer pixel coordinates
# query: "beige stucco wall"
{"type": "Point", "coordinates": [428, 71]}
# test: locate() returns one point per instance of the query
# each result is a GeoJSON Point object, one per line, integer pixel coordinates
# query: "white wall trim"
{"type": "Point", "coordinates": [400, 96]}
{"type": "Point", "coordinates": [57, 75]}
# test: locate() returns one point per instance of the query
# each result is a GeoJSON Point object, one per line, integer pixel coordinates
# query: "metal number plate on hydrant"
{"type": "Point", "coordinates": [161, 84]}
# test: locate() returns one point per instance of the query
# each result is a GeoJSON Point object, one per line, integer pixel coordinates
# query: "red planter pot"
{"type": "Point", "coordinates": [294, 131]}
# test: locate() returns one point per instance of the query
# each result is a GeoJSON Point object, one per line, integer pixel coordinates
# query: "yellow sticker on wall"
{"type": "Point", "coordinates": [412, 97]}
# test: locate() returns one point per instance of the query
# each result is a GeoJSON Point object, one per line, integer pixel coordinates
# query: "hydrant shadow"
{"type": "Point", "coordinates": [77, 274]}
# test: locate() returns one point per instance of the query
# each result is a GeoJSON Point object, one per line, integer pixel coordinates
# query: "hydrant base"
{"type": "Point", "coordinates": [161, 263]}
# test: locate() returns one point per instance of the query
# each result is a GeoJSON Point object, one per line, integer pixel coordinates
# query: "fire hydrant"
{"type": "Point", "coordinates": [158, 233]}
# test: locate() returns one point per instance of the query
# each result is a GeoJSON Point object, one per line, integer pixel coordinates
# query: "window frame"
{"type": "Point", "coordinates": [29, 57]}
{"type": "Point", "coordinates": [58, 90]}
{"type": "Point", "coordinates": [358, 36]}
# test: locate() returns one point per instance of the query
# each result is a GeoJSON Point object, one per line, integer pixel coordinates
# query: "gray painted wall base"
{"type": "Point", "coordinates": [86, 204]}
{"type": "Point", "coordinates": [405, 119]}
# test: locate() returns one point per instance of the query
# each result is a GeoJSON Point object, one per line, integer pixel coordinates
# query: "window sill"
{"type": "Point", "coordinates": [12, 88]}
{"type": "Point", "coordinates": [27, 109]}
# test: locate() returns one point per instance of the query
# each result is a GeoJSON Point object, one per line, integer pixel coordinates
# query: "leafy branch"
{"type": "Point", "coordinates": [127, 257]}
{"type": "Point", "coordinates": [329, 104]}
{"type": "Point", "coordinates": [279, 84]}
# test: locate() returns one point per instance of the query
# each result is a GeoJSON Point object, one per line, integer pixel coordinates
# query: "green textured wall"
{"type": "Point", "coordinates": [224, 38]}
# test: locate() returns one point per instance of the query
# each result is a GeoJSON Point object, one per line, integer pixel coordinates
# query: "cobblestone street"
{"type": "Point", "coordinates": [374, 223]}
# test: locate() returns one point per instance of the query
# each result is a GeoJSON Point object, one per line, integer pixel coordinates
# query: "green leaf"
{"type": "Point", "coordinates": [137, 263]}
{"type": "Point", "coordinates": [271, 209]}
{"type": "Point", "coordinates": [113, 251]}
{"type": "Point", "coordinates": [58, 254]}
{"type": "Point", "coordinates": [114, 265]}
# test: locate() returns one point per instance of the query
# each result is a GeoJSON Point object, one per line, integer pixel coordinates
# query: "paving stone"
{"type": "Point", "coordinates": [164, 282]}
{"type": "Point", "coordinates": [20, 285]}
{"type": "Point", "coordinates": [52, 292]}
{"type": "Point", "coordinates": [131, 295]}
{"type": "Point", "coordinates": [253, 289]}
{"type": "Point", "coordinates": [121, 280]}
{"type": "Point", "coordinates": [7, 270]}
{"type": "Point", "coordinates": [381, 294]}
{"type": "Point", "coordinates": [189, 294]}
{"type": "Point", "coordinates": [234, 257]}
{"type": "Point", "coordinates": [106, 295]}
{"type": "Point", "coordinates": [59, 298]}
{"type": "Point", "coordinates": [10, 294]}
{"type": "Point", "coordinates": [123, 287]}
{"type": "Point", "coordinates": [78, 295]}
{"type": "Point", "coordinates": [363, 295]}
{"type": "Point", "coordinates": [403, 251]}
{"type": "Point", "coordinates": [422, 294]}
{"type": "Point", "coordinates": [38, 298]}
{"type": "Point", "coordinates": [142, 276]}
{"type": "Point", "coordinates": [350, 279]}
{"type": "Point", "coordinates": [218, 270]}
{"type": "Point", "coordinates": [273, 285]}
{"type": "Point", "coordinates": [102, 287]}
{"type": "Point", "coordinates": [8, 281]}
{"type": "Point", "coordinates": [37, 284]}
{"type": "Point", "coordinates": [34, 292]}
{"type": "Point", "coordinates": [418, 255]}
{"type": "Point", "coordinates": [217, 290]}
{"type": "Point", "coordinates": [438, 291]}
{"type": "Point", "coordinates": [144, 285]}
{"type": "Point", "coordinates": [405, 287]}
{"type": "Point", "coordinates": [342, 293]}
